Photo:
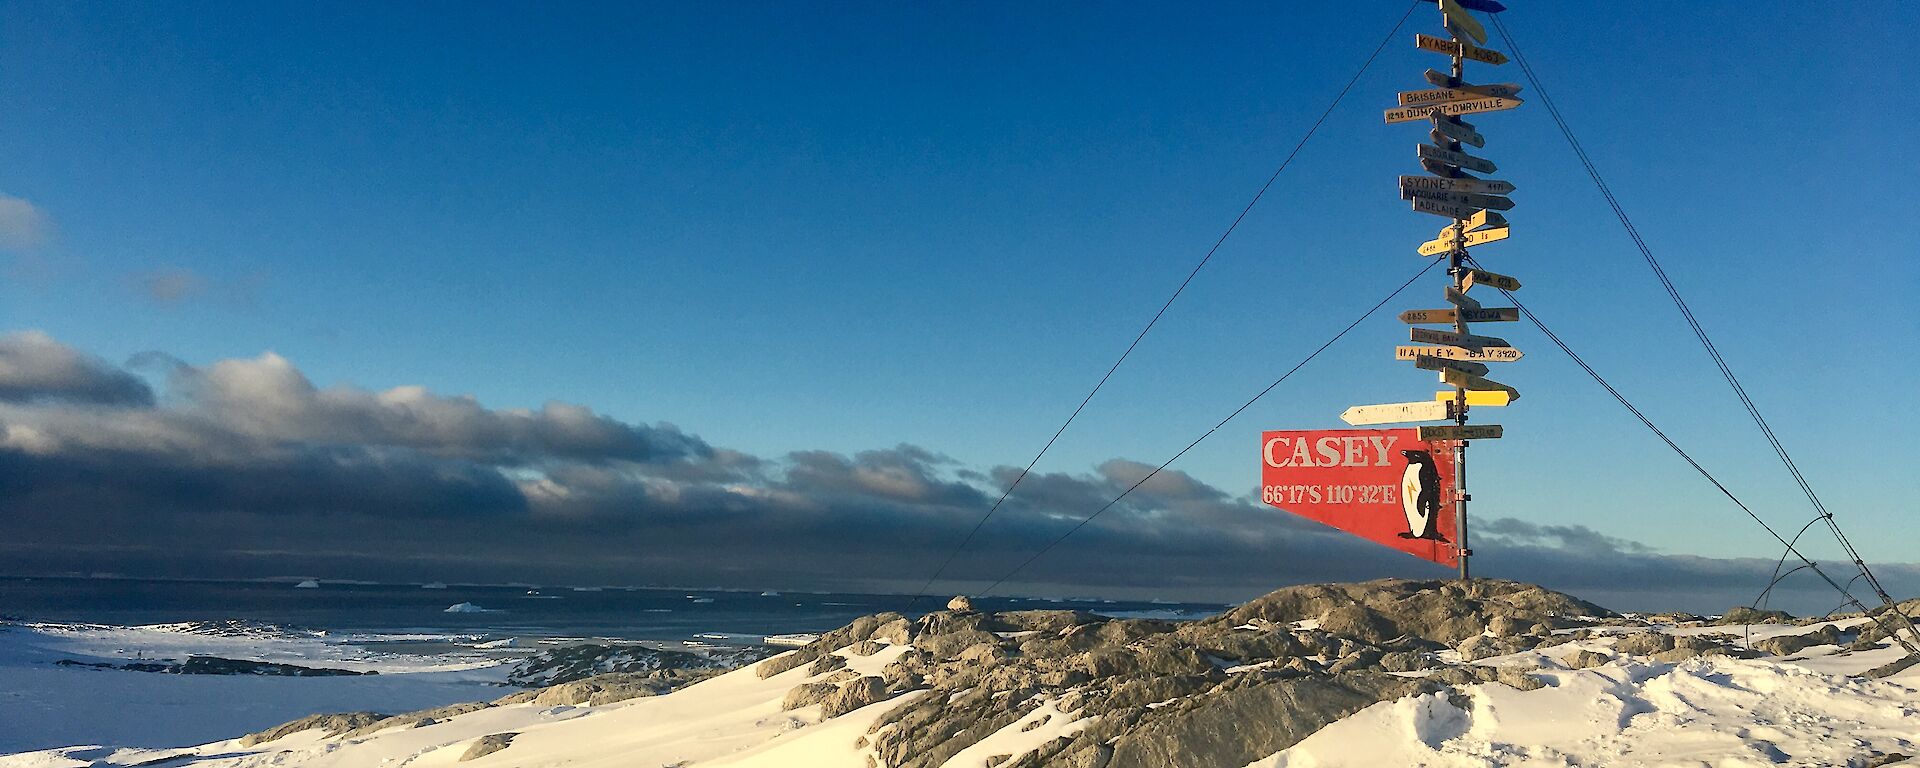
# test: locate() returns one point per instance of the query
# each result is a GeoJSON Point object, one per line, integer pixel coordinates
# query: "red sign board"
{"type": "Point", "coordinates": [1383, 485]}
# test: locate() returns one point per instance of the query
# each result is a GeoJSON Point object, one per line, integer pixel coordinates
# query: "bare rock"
{"type": "Point", "coordinates": [806, 695]}
{"type": "Point", "coordinates": [487, 745]}
{"type": "Point", "coordinates": [785, 661]}
{"type": "Point", "coordinates": [949, 645]}
{"type": "Point", "coordinates": [333, 724]}
{"type": "Point", "coordinates": [960, 604]}
{"type": "Point", "coordinates": [1787, 645]}
{"type": "Point", "coordinates": [1644, 644]}
{"type": "Point", "coordinates": [1746, 615]}
{"type": "Point", "coordinates": [1585, 659]}
{"type": "Point", "coordinates": [866, 648]}
{"type": "Point", "coordinates": [1239, 726]}
{"type": "Point", "coordinates": [855, 694]}
{"type": "Point", "coordinates": [415, 719]}
{"type": "Point", "coordinates": [825, 664]}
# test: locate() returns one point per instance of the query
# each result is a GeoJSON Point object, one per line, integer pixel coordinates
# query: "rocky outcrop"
{"type": "Point", "coordinates": [487, 745]}
{"type": "Point", "coordinates": [332, 724]}
{"type": "Point", "coordinates": [1157, 693]}
{"type": "Point", "coordinates": [575, 662]}
{"type": "Point", "coordinates": [416, 719]}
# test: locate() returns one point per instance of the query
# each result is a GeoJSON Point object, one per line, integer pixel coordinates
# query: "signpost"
{"type": "Point", "coordinates": [1461, 432]}
{"type": "Point", "coordinates": [1431, 363]}
{"type": "Point", "coordinates": [1459, 160]}
{"type": "Point", "coordinates": [1462, 93]}
{"type": "Point", "coordinates": [1394, 413]}
{"type": "Point", "coordinates": [1502, 282]}
{"type": "Point", "coordinates": [1466, 341]}
{"type": "Point", "coordinates": [1479, 397]}
{"type": "Point", "coordinates": [1407, 488]}
{"type": "Point", "coordinates": [1437, 184]}
{"type": "Point", "coordinates": [1458, 49]}
{"type": "Point", "coordinates": [1465, 107]}
{"type": "Point", "coordinates": [1482, 355]}
{"type": "Point", "coordinates": [1445, 244]}
{"type": "Point", "coordinates": [1494, 315]}
{"type": "Point", "coordinates": [1456, 129]}
{"type": "Point", "coordinates": [1471, 199]}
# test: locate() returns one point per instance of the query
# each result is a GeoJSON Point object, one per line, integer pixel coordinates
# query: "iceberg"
{"type": "Point", "coordinates": [308, 584]}
{"type": "Point", "coordinates": [465, 608]}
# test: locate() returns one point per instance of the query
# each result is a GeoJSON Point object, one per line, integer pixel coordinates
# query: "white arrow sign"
{"type": "Point", "coordinates": [1391, 413]}
{"type": "Point", "coordinates": [1463, 340]}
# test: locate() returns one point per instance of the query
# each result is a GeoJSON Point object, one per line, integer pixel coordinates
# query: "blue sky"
{"type": "Point", "coordinates": [785, 227]}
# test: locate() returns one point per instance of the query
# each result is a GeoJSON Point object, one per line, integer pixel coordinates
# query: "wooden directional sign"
{"type": "Point", "coordinates": [1463, 107]}
{"type": "Point", "coordinates": [1475, 397]}
{"type": "Point", "coordinates": [1451, 48]}
{"type": "Point", "coordinates": [1442, 170]}
{"type": "Point", "coordinates": [1431, 363]}
{"type": "Point", "coordinates": [1494, 315]}
{"type": "Point", "coordinates": [1393, 413]}
{"type": "Point", "coordinates": [1469, 199]}
{"type": "Point", "coordinates": [1462, 340]}
{"type": "Point", "coordinates": [1445, 244]}
{"type": "Point", "coordinates": [1456, 129]}
{"type": "Point", "coordinates": [1458, 17]}
{"type": "Point", "coordinates": [1457, 159]}
{"type": "Point", "coordinates": [1442, 208]}
{"type": "Point", "coordinates": [1441, 95]}
{"type": "Point", "coordinates": [1495, 279]}
{"type": "Point", "coordinates": [1486, 355]}
{"type": "Point", "coordinates": [1460, 300]}
{"type": "Point", "coordinates": [1481, 186]}
{"type": "Point", "coordinates": [1444, 80]}
{"type": "Point", "coordinates": [1465, 380]}
{"type": "Point", "coordinates": [1467, 432]}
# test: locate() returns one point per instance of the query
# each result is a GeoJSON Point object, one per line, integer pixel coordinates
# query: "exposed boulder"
{"type": "Point", "coordinates": [1747, 615]}
{"type": "Point", "coordinates": [1440, 611]}
{"type": "Point", "coordinates": [617, 686]}
{"type": "Point", "coordinates": [576, 662]}
{"type": "Point", "coordinates": [854, 694]}
{"type": "Point", "coordinates": [785, 661]}
{"type": "Point", "coordinates": [416, 719]}
{"type": "Point", "coordinates": [807, 694]}
{"type": "Point", "coordinates": [960, 604]}
{"type": "Point", "coordinates": [487, 745]}
{"type": "Point", "coordinates": [1787, 645]}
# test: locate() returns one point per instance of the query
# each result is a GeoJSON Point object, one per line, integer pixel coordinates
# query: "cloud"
{"type": "Point", "coordinates": [36, 368]}
{"type": "Point", "coordinates": [22, 225]}
{"type": "Point", "coordinates": [171, 285]}
{"type": "Point", "coordinates": [246, 467]}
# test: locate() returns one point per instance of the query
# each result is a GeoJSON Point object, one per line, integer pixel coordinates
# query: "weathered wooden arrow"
{"type": "Point", "coordinates": [1442, 170]}
{"type": "Point", "coordinates": [1460, 300]}
{"type": "Point", "coordinates": [1475, 397]}
{"type": "Point", "coordinates": [1452, 48]}
{"type": "Point", "coordinates": [1444, 80]}
{"type": "Point", "coordinates": [1487, 355]}
{"type": "Point", "coordinates": [1481, 186]}
{"type": "Point", "coordinates": [1469, 199]}
{"type": "Point", "coordinates": [1457, 129]}
{"type": "Point", "coordinates": [1457, 159]}
{"type": "Point", "coordinates": [1390, 413]}
{"type": "Point", "coordinates": [1465, 380]}
{"type": "Point", "coordinates": [1442, 208]}
{"type": "Point", "coordinates": [1489, 315]}
{"type": "Point", "coordinates": [1445, 243]}
{"type": "Point", "coordinates": [1468, 432]}
{"type": "Point", "coordinates": [1466, 341]}
{"type": "Point", "coordinates": [1495, 279]}
{"type": "Point", "coordinates": [1458, 17]}
{"type": "Point", "coordinates": [1462, 107]}
{"type": "Point", "coordinates": [1431, 363]}
{"type": "Point", "coordinates": [1441, 95]}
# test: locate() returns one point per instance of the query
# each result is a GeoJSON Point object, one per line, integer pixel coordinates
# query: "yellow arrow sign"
{"type": "Point", "coordinates": [1495, 279]}
{"type": "Point", "coordinates": [1458, 17]}
{"type": "Point", "coordinates": [1445, 244]}
{"type": "Point", "coordinates": [1476, 397]}
{"type": "Point", "coordinates": [1468, 432]}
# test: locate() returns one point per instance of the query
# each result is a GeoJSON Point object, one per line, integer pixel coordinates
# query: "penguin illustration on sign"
{"type": "Point", "coordinates": [1420, 497]}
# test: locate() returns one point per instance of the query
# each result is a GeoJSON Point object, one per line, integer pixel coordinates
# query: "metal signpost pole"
{"type": "Point", "coordinates": [1456, 274]}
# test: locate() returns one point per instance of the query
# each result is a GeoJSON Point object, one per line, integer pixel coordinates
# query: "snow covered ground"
{"type": "Point", "coordinates": [1807, 709]}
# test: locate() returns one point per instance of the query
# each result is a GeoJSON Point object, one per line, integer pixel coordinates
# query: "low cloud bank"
{"type": "Point", "coordinates": [245, 468]}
